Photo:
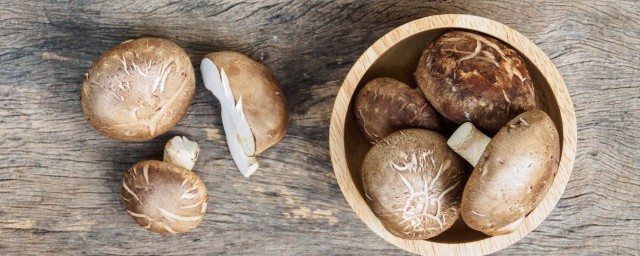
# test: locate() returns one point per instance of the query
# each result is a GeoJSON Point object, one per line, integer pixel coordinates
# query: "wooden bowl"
{"type": "Point", "coordinates": [396, 55]}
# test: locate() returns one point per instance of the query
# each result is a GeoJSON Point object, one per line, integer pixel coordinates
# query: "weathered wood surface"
{"type": "Point", "coordinates": [60, 179]}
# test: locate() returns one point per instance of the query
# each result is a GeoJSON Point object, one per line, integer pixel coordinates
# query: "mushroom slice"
{"type": "Point", "coordinates": [240, 139]}
{"type": "Point", "coordinates": [513, 171]}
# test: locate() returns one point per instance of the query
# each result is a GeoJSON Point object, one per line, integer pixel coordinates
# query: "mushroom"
{"type": "Point", "coordinates": [138, 90]}
{"type": "Point", "coordinates": [254, 110]}
{"type": "Point", "coordinates": [469, 77]}
{"type": "Point", "coordinates": [386, 105]}
{"type": "Point", "coordinates": [513, 171]}
{"type": "Point", "coordinates": [166, 196]}
{"type": "Point", "coordinates": [413, 183]}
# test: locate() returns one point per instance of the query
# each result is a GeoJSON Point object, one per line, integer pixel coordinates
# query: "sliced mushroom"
{"type": "Point", "coordinates": [138, 90]}
{"type": "Point", "coordinates": [513, 171]}
{"type": "Point", "coordinates": [254, 110]}
{"type": "Point", "coordinates": [166, 197]}
{"type": "Point", "coordinates": [385, 105]}
{"type": "Point", "coordinates": [469, 77]}
{"type": "Point", "coordinates": [413, 183]}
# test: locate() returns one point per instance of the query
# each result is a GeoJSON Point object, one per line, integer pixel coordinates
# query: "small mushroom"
{"type": "Point", "coordinates": [254, 109]}
{"type": "Point", "coordinates": [166, 196]}
{"type": "Point", "coordinates": [413, 183]}
{"type": "Point", "coordinates": [138, 90]}
{"type": "Point", "coordinates": [513, 171]}
{"type": "Point", "coordinates": [386, 105]}
{"type": "Point", "coordinates": [469, 77]}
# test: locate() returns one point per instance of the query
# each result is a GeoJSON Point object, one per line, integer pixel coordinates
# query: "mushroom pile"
{"type": "Point", "coordinates": [142, 88]}
{"type": "Point", "coordinates": [417, 181]}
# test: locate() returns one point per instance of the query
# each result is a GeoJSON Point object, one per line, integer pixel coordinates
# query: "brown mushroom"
{"type": "Point", "coordinates": [513, 171]}
{"type": "Point", "coordinates": [263, 99]}
{"type": "Point", "coordinates": [253, 106]}
{"type": "Point", "coordinates": [166, 197]}
{"type": "Point", "coordinates": [413, 183]}
{"type": "Point", "coordinates": [385, 105]}
{"type": "Point", "coordinates": [469, 77]}
{"type": "Point", "coordinates": [138, 89]}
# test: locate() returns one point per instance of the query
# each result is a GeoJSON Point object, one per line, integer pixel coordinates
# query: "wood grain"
{"type": "Point", "coordinates": [59, 179]}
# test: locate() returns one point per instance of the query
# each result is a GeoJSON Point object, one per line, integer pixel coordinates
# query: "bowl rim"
{"type": "Point", "coordinates": [473, 23]}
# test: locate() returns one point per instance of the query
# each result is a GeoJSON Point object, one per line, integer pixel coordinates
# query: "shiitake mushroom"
{"type": "Point", "coordinates": [253, 107]}
{"type": "Point", "coordinates": [385, 105]}
{"type": "Point", "coordinates": [166, 197]}
{"type": "Point", "coordinates": [138, 90]}
{"type": "Point", "coordinates": [513, 171]}
{"type": "Point", "coordinates": [413, 183]}
{"type": "Point", "coordinates": [469, 77]}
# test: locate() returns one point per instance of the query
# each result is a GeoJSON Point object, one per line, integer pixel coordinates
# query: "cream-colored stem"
{"type": "Point", "coordinates": [468, 142]}
{"type": "Point", "coordinates": [182, 152]}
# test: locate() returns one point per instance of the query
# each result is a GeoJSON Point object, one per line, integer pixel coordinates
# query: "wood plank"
{"type": "Point", "coordinates": [60, 179]}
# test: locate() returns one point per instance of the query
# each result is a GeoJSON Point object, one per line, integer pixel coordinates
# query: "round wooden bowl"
{"type": "Point", "coordinates": [396, 55]}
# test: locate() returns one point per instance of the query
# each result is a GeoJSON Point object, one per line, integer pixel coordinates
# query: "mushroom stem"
{"type": "Point", "coordinates": [181, 151]}
{"type": "Point", "coordinates": [468, 142]}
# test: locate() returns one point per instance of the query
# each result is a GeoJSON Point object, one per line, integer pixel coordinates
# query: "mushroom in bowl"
{"type": "Point", "coordinates": [413, 183]}
{"type": "Point", "coordinates": [470, 77]}
{"type": "Point", "coordinates": [385, 105]}
{"type": "Point", "coordinates": [513, 170]}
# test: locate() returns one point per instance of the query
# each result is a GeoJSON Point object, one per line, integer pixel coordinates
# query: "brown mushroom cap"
{"type": "Point", "coordinates": [163, 197]}
{"type": "Point", "coordinates": [385, 105]}
{"type": "Point", "coordinates": [263, 100]}
{"type": "Point", "coordinates": [513, 175]}
{"type": "Point", "coordinates": [138, 89]}
{"type": "Point", "coordinates": [413, 183]}
{"type": "Point", "coordinates": [475, 78]}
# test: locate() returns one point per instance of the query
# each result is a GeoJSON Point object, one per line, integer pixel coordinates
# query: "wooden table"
{"type": "Point", "coordinates": [60, 179]}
